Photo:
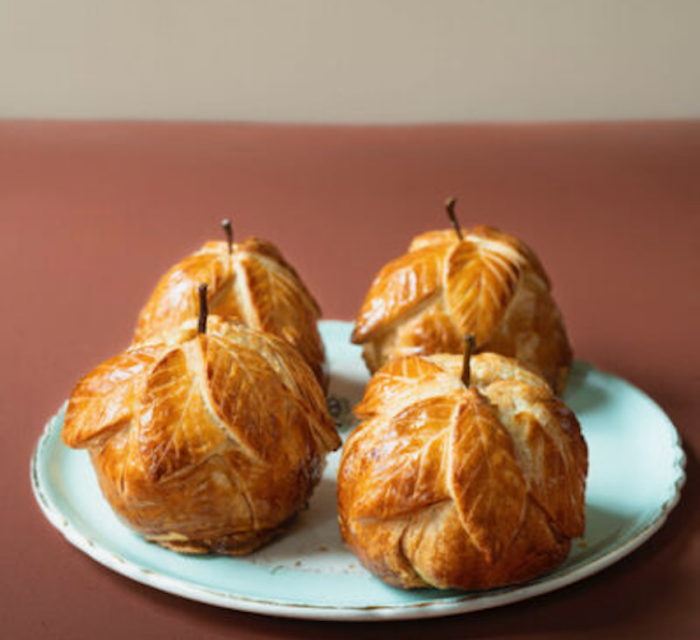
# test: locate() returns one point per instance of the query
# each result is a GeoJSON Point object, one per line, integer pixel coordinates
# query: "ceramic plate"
{"type": "Point", "coordinates": [636, 473]}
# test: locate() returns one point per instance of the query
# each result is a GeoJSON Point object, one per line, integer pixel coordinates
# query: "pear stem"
{"type": "Point", "coordinates": [226, 224]}
{"type": "Point", "coordinates": [470, 343]}
{"type": "Point", "coordinates": [450, 204]}
{"type": "Point", "coordinates": [203, 308]}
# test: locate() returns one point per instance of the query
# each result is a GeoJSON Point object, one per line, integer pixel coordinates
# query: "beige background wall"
{"type": "Point", "coordinates": [350, 61]}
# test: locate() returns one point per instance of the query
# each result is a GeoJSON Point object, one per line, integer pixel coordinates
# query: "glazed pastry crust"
{"type": "Point", "coordinates": [204, 443]}
{"type": "Point", "coordinates": [453, 487]}
{"type": "Point", "coordinates": [489, 284]}
{"type": "Point", "coordinates": [253, 284]}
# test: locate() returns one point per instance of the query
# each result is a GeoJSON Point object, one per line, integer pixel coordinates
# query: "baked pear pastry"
{"type": "Point", "coordinates": [466, 485]}
{"type": "Point", "coordinates": [249, 282]}
{"type": "Point", "coordinates": [208, 441]}
{"type": "Point", "coordinates": [478, 281]}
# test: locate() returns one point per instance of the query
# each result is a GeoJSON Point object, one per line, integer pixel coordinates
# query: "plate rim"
{"type": "Point", "coordinates": [455, 605]}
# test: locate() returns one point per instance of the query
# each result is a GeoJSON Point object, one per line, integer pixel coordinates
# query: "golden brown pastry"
{"type": "Point", "coordinates": [455, 486]}
{"type": "Point", "coordinates": [249, 282]}
{"type": "Point", "coordinates": [487, 283]}
{"type": "Point", "coordinates": [205, 441]}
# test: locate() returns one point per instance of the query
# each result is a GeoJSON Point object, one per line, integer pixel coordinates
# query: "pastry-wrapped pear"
{"type": "Point", "coordinates": [205, 440]}
{"type": "Point", "coordinates": [461, 484]}
{"type": "Point", "coordinates": [249, 282]}
{"type": "Point", "coordinates": [478, 281]}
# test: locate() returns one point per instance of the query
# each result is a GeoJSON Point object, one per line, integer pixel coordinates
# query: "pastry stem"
{"type": "Point", "coordinates": [469, 343]}
{"type": "Point", "coordinates": [450, 208]}
{"type": "Point", "coordinates": [203, 308]}
{"type": "Point", "coordinates": [226, 224]}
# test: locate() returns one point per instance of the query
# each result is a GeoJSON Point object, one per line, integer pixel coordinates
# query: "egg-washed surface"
{"type": "Point", "coordinates": [251, 283]}
{"type": "Point", "coordinates": [485, 283]}
{"type": "Point", "coordinates": [310, 574]}
{"type": "Point", "coordinates": [454, 484]}
{"type": "Point", "coordinates": [206, 442]}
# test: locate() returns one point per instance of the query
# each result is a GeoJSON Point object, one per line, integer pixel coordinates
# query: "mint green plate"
{"type": "Point", "coordinates": [636, 474]}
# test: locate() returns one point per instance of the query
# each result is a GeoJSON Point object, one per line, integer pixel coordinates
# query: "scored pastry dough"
{"type": "Point", "coordinates": [252, 284]}
{"type": "Point", "coordinates": [451, 486]}
{"type": "Point", "coordinates": [488, 284]}
{"type": "Point", "coordinates": [204, 442]}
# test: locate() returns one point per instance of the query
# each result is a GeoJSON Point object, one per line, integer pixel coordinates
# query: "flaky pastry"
{"type": "Point", "coordinates": [455, 485]}
{"type": "Point", "coordinates": [450, 283]}
{"type": "Point", "coordinates": [204, 441]}
{"type": "Point", "coordinates": [249, 282]}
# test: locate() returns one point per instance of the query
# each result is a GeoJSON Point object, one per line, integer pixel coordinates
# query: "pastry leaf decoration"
{"type": "Point", "coordinates": [294, 376]}
{"type": "Point", "coordinates": [175, 429]}
{"type": "Point", "coordinates": [249, 282]}
{"type": "Point", "coordinates": [410, 454]}
{"type": "Point", "coordinates": [176, 299]}
{"type": "Point", "coordinates": [407, 455]}
{"type": "Point", "coordinates": [480, 283]}
{"type": "Point", "coordinates": [399, 287]}
{"type": "Point", "coordinates": [231, 389]}
{"type": "Point", "coordinates": [402, 382]}
{"type": "Point", "coordinates": [486, 481]}
{"type": "Point", "coordinates": [102, 401]}
{"type": "Point", "coordinates": [473, 278]}
{"type": "Point", "coordinates": [280, 304]}
{"type": "Point", "coordinates": [553, 452]}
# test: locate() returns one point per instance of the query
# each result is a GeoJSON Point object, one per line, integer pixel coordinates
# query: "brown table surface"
{"type": "Point", "coordinates": [92, 213]}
